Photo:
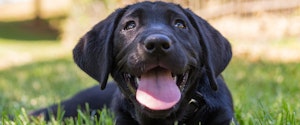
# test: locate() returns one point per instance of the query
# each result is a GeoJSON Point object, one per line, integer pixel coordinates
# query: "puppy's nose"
{"type": "Point", "coordinates": [157, 43]}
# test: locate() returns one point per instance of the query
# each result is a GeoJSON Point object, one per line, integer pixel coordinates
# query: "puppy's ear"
{"type": "Point", "coordinates": [93, 52]}
{"type": "Point", "coordinates": [216, 49]}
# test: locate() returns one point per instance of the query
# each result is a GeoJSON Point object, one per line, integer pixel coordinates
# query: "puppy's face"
{"type": "Point", "coordinates": [156, 52]}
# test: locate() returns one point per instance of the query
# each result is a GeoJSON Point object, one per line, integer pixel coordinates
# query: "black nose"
{"type": "Point", "coordinates": [157, 43]}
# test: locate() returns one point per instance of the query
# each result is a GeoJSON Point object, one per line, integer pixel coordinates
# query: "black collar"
{"type": "Point", "coordinates": [196, 104]}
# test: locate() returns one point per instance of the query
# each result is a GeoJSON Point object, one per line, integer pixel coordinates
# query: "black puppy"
{"type": "Point", "coordinates": [166, 63]}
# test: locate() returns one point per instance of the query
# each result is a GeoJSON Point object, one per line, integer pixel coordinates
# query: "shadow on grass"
{"type": "Point", "coordinates": [31, 30]}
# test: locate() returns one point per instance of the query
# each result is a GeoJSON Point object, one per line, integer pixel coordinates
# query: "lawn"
{"type": "Point", "coordinates": [38, 85]}
{"type": "Point", "coordinates": [264, 92]}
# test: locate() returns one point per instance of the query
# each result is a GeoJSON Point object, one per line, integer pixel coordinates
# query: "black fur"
{"type": "Point", "coordinates": [147, 35]}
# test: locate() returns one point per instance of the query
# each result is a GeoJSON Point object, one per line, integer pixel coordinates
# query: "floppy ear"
{"type": "Point", "coordinates": [216, 49]}
{"type": "Point", "coordinates": [93, 52]}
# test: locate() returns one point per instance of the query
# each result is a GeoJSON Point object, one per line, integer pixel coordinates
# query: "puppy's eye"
{"type": "Point", "coordinates": [180, 24]}
{"type": "Point", "coordinates": [130, 25]}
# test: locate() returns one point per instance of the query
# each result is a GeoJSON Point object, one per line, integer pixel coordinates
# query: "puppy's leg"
{"type": "Point", "coordinates": [93, 96]}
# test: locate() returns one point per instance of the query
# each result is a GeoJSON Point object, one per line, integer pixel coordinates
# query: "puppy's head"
{"type": "Point", "coordinates": [155, 52]}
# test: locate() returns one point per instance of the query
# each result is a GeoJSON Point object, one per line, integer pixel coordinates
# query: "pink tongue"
{"type": "Point", "coordinates": [157, 90]}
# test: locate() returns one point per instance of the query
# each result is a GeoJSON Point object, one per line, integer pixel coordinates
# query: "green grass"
{"type": "Point", "coordinates": [38, 85]}
{"type": "Point", "coordinates": [28, 31]}
{"type": "Point", "coordinates": [264, 92]}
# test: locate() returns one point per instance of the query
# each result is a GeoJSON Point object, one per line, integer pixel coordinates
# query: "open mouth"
{"type": "Point", "coordinates": [157, 88]}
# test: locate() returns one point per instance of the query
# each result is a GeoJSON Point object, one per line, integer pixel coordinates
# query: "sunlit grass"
{"type": "Point", "coordinates": [14, 53]}
{"type": "Point", "coordinates": [40, 84]}
{"type": "Point", "coordinates": [264, 92]}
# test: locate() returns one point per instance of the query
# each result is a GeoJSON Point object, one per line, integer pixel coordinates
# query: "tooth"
{"type": "Point", "coordinates": [185, 77]}
{"type": "Point", "coordinates": [137, 81]}
{"type": "Point", "coordinates": [184, 80]}
{"type": "Point", "coordinates": [181, 87]}
{"type": "Point", "coordinates": [127, 76]}
{"type": "Point", "coordinates": [175, 78]}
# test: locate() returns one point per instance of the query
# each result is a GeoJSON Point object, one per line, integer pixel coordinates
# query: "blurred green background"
{"type": "Point", "coordinates": [37, 37]}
